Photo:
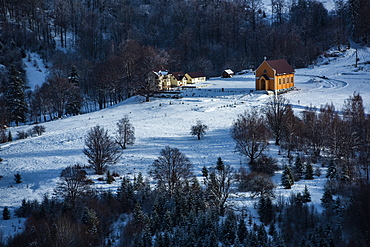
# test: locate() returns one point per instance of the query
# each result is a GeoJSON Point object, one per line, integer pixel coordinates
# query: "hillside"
{"type": "Point", "coordinates": [166, 122]}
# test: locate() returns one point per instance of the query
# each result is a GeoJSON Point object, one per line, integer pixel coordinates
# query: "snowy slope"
{"type": "Point", "coordinates": [166, 122]}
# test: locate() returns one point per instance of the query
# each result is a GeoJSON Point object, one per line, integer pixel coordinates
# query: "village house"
{"type": "Point", "coordinates": [159, 79]}
{"type": "Point", "coordinates": [227, 73]}
{"type": "Point", "coordinates": [177, 79]}
{"type": "Point", "coordinates": [276, 75]}
{"type": "Point", "coordinates": [194, 77]}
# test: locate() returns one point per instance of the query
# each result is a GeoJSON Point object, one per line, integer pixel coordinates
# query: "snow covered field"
{"type": "Point", "coordinates": [166, 122]}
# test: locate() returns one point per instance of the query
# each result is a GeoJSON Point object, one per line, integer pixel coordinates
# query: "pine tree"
{"type": "Point", "coordinates": [306, 197]}
{"type": "Point", "coordinates": [18, 178]}
{"type": "Point", "coordinates": [6, 213]}
{"type": "Point", "coordinates": [10, 138]}
{"type": "Point", "coordinates": [229, 228]}
{"type": "Point", "coordinates": [272, 230]}
{"type": "Point", "coordinates": [262, 236]}
{"type": "Point", "coordinates": [265, 210]}
{"type": "Point", "coordinates": [298, 168]}
{"type": "Point", "coordinates": [242, 231]}
{"type": "Point", "coordinates": [327, 199]}
{"type": "Point", "coordinates": [309, 171]}
{"type": "Point", "coordinates": [15, 98]}
{"type": "Point", "coordinates": [332, 170]}
{"type": "Point", "coordinates": [139, 182]}
{"type": "Point", "coordinates": [74, 101]}
{"type": "Point", "coordinates": [73, 77]}
{"type": "Point", "coordinates": [287, 178]}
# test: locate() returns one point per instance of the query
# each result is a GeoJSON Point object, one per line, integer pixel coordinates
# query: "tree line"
{"type": "Point", "coordinates": [118, 42]}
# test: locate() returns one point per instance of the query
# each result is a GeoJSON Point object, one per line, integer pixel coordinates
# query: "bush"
{"type": "Point", "coordinates": [38, 129]}
{"type": "Point", "coordinates": [22, 134]}
{"type": "Point", "coordinates": [259, 184]}
{"type": "Point", "coordinates": [265, 164]}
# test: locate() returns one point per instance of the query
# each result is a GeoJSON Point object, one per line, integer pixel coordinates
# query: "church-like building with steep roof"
{"type": "Point", "coordinates": [276, 75]}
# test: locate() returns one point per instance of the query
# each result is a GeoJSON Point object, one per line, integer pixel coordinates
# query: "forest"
{"type": "Point", "coordinates": [116, 42]}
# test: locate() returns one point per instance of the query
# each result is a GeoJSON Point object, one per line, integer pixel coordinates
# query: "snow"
{"type": "Point", "coordinates": [35, 70]}
{"type": "Point", "coordinates": [166, 122]}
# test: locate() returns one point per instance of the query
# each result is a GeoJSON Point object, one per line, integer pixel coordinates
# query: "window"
{"type": "Point", "coordinates": [265, 71]}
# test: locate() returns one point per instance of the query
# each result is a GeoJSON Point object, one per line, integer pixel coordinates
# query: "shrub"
{"type": "Point", "coordinates": [22, 134]}
{"type": "Point", "coordinates": [258, 184]}
{"type": "Point", "coordinates": [38, 129]}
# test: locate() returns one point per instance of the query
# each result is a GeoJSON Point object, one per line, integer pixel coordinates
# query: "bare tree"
{"type": "Point", "coordinates": [172, 169]}
{"type": "Point", "coordinates": [125, 133]}
{"type": "Point", "coordinates": [73, 184]}
{"type": "Point", "coordinates": [250, 134]}
{"type": "Point", "coordinates": [276, 111]}
{"type": "Point", "coordinates": [199, 129]}
{"type": "Point", "coordinates": [101, 149]}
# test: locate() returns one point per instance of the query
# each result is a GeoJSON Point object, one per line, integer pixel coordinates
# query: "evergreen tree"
{"type": "Point", "coordinates": [332, 170]}
{"type": "Point", "coordinates": [309, 171]}
{"type": "Point", "coordinates": [306, 197]}
{"type": "Point", "coordinates": [10, 138]}
{"type": "Point", "coordinates": [6, 213]}
{"type": "Point", "coordinates": [298, 168]}
{"type": "Point", "coordinates": [74, 100]}
{"type": "Point", "coordinates": [139, 182]}
{"type": "Point", "coordinates": [18, 178]}
{"type": "Point", "coordinates": [15, 98]}
{"type": "Point", "coordinates": [262, 236]}
{"type": "Point", "coordinates": [287, 178]}
{"type": "Point", "coordinates": [299, 198]}
{"type": "Point", "coordinates": [242, 231]}
{"type": "Point", "coordinates": [229, 228]}
{"type": "Point", "coordinates": [73, 77]}
{"type": "Point", "coordinates": [265, 210]}
{"type": "Point", "coordinates": [327, 199]}
{"type": "Point", "coordinates": [272, 230]}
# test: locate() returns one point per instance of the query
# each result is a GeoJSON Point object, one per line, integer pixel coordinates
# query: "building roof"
{"type": "Point", "coordinates": [229, 71]}
{"type": "Point", "coordinates": [161, 71]}
{"type": "Point", "coordinates": [281, 66]}
{"type": "Point", "coordinates": [196, 74]}
{"type": "Point", "coordinates": [178, 75]}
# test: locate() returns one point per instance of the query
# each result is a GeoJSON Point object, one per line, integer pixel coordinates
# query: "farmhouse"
{"type": "Point", "coordinates": [276, 75]}
{"type": "Point", "coordinates": [159, 79]}
{"type": "Point", "coordinates": [227, 73]}
{"type": "Point", "coordinates": [177, 79]}
{"type": "Point", "coordinates": [194, 77]}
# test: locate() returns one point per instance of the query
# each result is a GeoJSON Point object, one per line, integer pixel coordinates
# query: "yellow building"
{"type": "Point", "coordinates": [276, 75]}
{"type": "Point", "coordinates": [177, 79]}
{"type": "Point", "coordinates": [194, 77]}
{"type": "Point", "coordinates": [159, 80]}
